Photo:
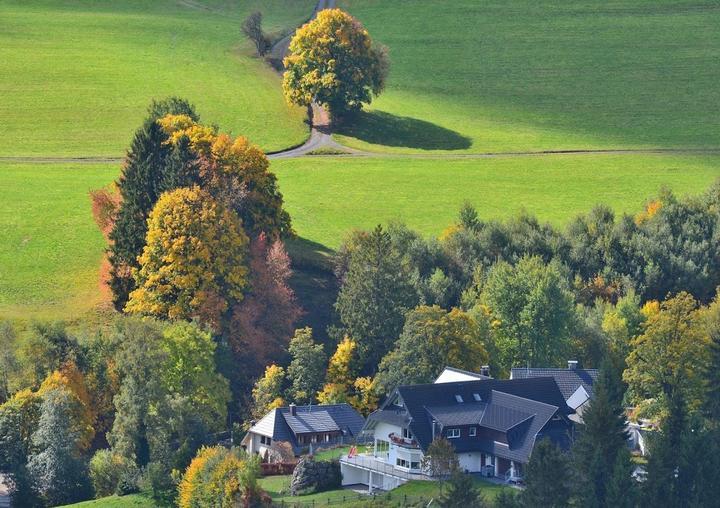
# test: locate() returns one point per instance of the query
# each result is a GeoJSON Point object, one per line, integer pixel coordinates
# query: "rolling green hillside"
{"type": "Point", "coordinates": [50, 249]}
{"type": "Point", "coordinates": [77, 76]}
{"type": "Point", "coordinates": [527, 75]}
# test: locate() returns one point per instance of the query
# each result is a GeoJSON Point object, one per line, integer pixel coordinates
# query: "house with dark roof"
{"type": "Point", "coordinates": [575, 384]}
{"type": "Point", "coordinates": [492, 424]}
{"type": "Point", "coordinates": [303, 429]}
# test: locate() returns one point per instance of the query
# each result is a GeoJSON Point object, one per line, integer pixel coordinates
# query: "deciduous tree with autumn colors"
{"type": "Point", "coordinates": [333, 62]}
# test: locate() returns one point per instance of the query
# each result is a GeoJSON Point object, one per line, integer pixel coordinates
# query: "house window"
{"type": "Point", "coordinates": [473, 431]}
{"type": "Point", "coordinates": [459, 398]}
{"type": "Point", "coordinates": [314, 438]}
{"type": "Point", "coordinates": [327, 438]}
{"type": "Point", "coordinates": [265, 440]}
{"type": "Point", "coordinates": [406, 434]}
{"type": "Point", "coordinates": [414, 465]}
{"type": "Point", "coordinates": [477, 397]}
{"type": "Point", "coordinates": [402, 463]}
{"type": "Point", "coordinates": [383, 447]}
{"type": "Point", "coordinates": [453, 433]}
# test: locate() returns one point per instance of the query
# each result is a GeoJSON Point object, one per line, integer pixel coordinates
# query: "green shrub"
{"type": "Point", "coordinates": [111, 473]}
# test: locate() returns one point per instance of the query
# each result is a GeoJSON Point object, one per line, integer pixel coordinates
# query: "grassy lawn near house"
{"type": "Point", "coordinates": [131, 501]}
{"type": "Point", "coordinates": [279, 489]}
{"type": "Point", "coordinates": [78, 76]}
{"type": "Point", "coordinates": [493, 75]}
{"type": "Point", "coordinates": [332, 453]}
{"type": "Point", "coordinates": [328, 196]}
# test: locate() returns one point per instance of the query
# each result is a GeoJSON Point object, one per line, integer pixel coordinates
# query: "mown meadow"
{"type": "Point", "coordinates": [77, 77]}
{"type": "Point", "coordinates": [493, 75]}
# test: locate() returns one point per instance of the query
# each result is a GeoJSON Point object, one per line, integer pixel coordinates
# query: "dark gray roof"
{"type": "Point", "coordinates": [568, 380]}
{"type": "Point", "coordinates": [519, 408]}
{"type": "Point", "coordinates": [280, 425]}
{"type": "Point", "coordinates": [391, 415]}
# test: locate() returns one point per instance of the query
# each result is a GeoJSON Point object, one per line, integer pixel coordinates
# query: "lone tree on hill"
{"type": "Point", "coordinates": [333, 62]}
{"type": "Point", "coordinates": [252, 28]}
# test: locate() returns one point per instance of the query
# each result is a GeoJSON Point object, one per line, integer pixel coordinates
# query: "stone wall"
{"type": "Point", "coordinates": [315, 476]}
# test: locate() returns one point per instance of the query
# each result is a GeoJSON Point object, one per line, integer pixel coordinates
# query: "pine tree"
{"type": "Point", "coordinates": [546, 477]}
{"type": "Point", "coordinates": [602, 437]}
{"type": "Point", "coordinates": [462, 492]}
{"type": "Point", "coordinates": [621, 489]}
{"type": "Point", "coordinates": [666, 464]}
{"type": "Point", "coordinates": [374, 298]}
{"type": "Point", "coordinates": [152, 166]}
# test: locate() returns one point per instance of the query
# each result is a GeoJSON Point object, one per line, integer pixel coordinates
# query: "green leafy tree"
{"type": "Point", "coordinates": [711, 378]}
{"type": "Point", "coordinates": [547, 477]}
{"type": "Point", "coordinates": [671, 353]}
{"type": "Point", "coordinates": [431, 339]}
{"type": "Point", "coordinates": [440, 460]}
{"type": "Point", "coordinates": [306, 371]}
{"type": "Point", "coordinates": [374, 298]}
{"type": "Point", "coordinates": [332, 61]}
{"type": "Point", "coordinates": [533, 312]}
{"type": "Point", "coordinates": [267, 392]}
{"type": "Point", "coordinates": [190, 371]}
{"type": "Point", "coordinates": [56, 467]}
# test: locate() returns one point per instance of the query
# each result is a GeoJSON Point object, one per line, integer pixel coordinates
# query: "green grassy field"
{"type": "Point", "coordinates": [77, 77]}
{"type": "Point", "coordinates": [329, 196]}
{"type": "Point", "coordinates": [50, 249]}
{"type": "Point", "coordinates": [131, 501]}
{"type": "Point", "coordinates": [498, 75]}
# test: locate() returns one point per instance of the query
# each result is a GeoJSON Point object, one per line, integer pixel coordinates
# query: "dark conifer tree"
{"type": "Point", "coordinates": [546, 477]}
{"type": "Point", "coordinates": [152, 166]}
{"type": "Point", "coordinates": [462, 492]}
{"type": "Point", "coordinates": [602, 439]}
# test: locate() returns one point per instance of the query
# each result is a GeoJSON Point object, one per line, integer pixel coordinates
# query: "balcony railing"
{"type": "Point", "coordinates": [372, 464]}
{"type": "Point", "coordinates": [403, 441]}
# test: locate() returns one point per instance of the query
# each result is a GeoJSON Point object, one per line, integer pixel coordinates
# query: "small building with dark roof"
{"type": "Point", "coordinates": [303, 429]}
{"type": "Point", "coordinates": [492, 424]}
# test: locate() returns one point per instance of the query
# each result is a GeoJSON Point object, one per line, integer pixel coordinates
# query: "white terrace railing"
{"type": "Point", "coordinates": [370, 463]}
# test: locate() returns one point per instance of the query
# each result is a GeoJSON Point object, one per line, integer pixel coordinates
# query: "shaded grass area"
{"type": "Point", "coordinates": [77, 77]}
{"type": "Point", "coordinates": [50, 248]}
{"type": "Point", "coordinates": [532, 75]}
{"type": "Point", "coordinates": [130, 501]}
{"type": "Point", "coordinates": [329, 196]}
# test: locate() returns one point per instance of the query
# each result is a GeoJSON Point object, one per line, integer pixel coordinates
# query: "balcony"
{"type": "Point", "coordinates": [403, 441]}
{"type": "Point", "coordinates": [370, 463]}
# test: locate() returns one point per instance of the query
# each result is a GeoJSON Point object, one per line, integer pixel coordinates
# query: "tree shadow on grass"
{"type": "Point", "coordinates": [380, 128]}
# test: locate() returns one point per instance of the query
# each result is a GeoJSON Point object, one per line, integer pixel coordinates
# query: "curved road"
{"type": "Point", "coordinates": [320, 138]}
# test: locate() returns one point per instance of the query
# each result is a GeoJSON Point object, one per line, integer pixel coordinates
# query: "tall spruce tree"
{"type": "Point", "coordinates": [622, 488]}
{"type": "Point", "coordinates": [602, 440]}
{"type": "Point", "coordinates": [373, 300]}
{"type": "Point", "coordinates": [152, 166]}
{"type": "Point", "coordinates": [666, 468]}
{"type": "Point", "coordinates": [547, 477]}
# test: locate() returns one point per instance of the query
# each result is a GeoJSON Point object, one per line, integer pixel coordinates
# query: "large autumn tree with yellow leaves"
{"type": "Point", "coordinates": [194, 262]}
{"type": "Point", "coordinates": [333, 62]}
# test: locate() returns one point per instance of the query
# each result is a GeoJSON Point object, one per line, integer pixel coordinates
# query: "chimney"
{"type": "Point", "coordinates": [572, 364]}
{"type": "Point", "coordinates": [293, 410]}
{"type": "Point", "coordinates": [485, 370]}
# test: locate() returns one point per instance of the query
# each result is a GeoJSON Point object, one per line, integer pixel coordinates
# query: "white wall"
{"type": "Point", "coordinates": [470, 461]}
{"type": "Point", "coordinates": [450, 376]}
{"type": "Point", "coordinates": [353, 475]}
